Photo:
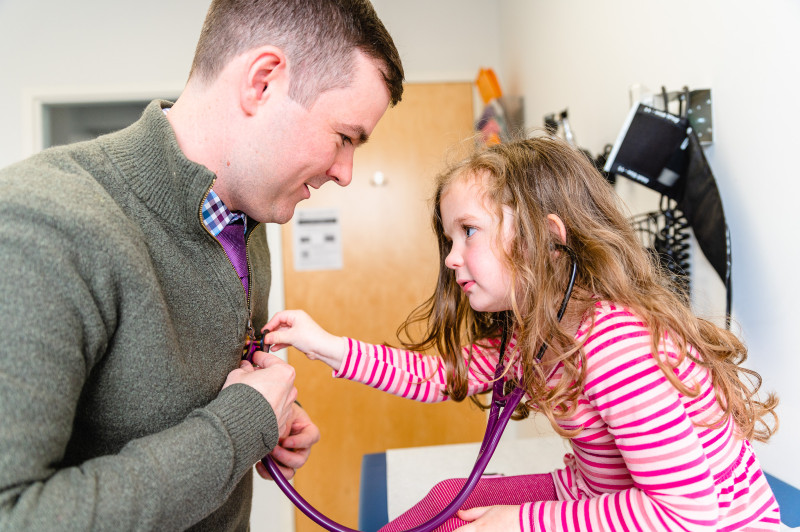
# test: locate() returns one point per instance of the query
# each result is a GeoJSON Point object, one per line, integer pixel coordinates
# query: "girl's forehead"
{"type": "Point", "coordinates": [463, 193]}
{"type": "Point", "coordinates": [474, 182]}
{"type": "Point", "coordinates": [467, 193]}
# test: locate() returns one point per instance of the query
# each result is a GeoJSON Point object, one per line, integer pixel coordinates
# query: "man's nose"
{"type": "Point", "coordinates": [341, 171]}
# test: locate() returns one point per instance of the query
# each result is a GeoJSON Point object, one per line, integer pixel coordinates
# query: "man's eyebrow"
{"type": "Point", "coordinates": [356, 133]}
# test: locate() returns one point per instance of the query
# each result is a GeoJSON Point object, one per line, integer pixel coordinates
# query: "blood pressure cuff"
{"type": "Point", "coordinates": [651, 150]}
{"type": "Point", "coordinates": [662, 152]}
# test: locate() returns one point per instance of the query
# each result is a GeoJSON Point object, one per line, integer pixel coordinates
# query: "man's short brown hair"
{"type": "Point", "coordinates": [319, 38]}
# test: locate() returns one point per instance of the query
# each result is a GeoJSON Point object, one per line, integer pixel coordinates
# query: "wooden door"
{"type": "Point", "coordinates": [390, 265]}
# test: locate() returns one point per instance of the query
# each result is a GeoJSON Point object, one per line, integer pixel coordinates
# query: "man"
{"type": "Point", "coordinates": [134, 268]}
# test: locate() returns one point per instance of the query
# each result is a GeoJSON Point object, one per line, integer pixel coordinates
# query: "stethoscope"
{"type": "Point", "coordinates": [503, 406]}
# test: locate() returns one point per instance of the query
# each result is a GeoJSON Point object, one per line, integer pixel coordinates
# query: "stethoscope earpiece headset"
{"type": "Point", "coordinates": [502, 407]}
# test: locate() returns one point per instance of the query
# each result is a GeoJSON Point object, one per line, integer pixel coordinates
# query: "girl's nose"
{"type": "Point", "coordinates": [453, 259]}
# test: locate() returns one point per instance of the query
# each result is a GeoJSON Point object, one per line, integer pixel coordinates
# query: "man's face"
{"type": "Point", "coordinates": [291, 149]}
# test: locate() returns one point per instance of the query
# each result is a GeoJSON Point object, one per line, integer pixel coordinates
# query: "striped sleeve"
{"type": "Point", "coordinates": [412, 375]}
{"type": "Point", "coordinates": [655, 476]}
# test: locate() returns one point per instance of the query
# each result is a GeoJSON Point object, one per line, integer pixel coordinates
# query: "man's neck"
{"type": "Point", "coordinates": [196, 119]}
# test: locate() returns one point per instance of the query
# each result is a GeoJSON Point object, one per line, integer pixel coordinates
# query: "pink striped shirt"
{"type": "Point", "coordinates": [643, 460]}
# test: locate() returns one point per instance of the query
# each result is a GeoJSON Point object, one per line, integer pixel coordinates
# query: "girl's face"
{"type": "Point", "coordinates": [475, 255]}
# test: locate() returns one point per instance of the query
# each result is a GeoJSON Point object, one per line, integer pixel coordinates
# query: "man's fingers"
{"type": "Point", "coordinates": [262, 471]}
{"type": "Point", "coordinates": [301, 436]}
{"type": "Point", "coordinates": [265, 360]}
{"type": "Point", "coordinates": [293, 458]}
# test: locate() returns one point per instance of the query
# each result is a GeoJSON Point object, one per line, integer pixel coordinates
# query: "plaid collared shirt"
{"type": "Point", "coordinates": [216, 215]}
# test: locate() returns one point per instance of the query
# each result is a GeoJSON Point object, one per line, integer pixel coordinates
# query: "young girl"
{"type": "Point", "coordinates": [656, 406]}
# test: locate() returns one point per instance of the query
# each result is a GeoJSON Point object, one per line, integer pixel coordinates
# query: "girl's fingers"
{"type": "Point", "coordinates": [473, 513]}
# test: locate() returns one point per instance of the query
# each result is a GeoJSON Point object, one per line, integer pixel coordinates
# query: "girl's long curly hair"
{"type": "Point", "coordinates": [540, 176]}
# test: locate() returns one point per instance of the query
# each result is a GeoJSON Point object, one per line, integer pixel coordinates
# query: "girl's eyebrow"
{"type": "Point", "coordinates": [464, 218]}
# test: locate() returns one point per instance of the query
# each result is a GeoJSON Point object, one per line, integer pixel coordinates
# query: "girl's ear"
{"type": "Point", "coordinates": [557, 227]}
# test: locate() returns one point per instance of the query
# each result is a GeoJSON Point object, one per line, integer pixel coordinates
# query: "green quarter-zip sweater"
{"type": "Point", "coordinates": [121, 317]}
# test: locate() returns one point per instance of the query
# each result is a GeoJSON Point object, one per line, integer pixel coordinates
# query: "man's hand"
{"type": "Point", "coordinates": [295, 446]}
{"type": "Point", "coordinates": [274, 379]}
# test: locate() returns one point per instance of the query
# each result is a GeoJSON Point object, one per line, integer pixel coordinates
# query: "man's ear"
{"type": "Point", "coordinates": [265, 73]}
{"type": "Point", "coordinates": [557, 227]}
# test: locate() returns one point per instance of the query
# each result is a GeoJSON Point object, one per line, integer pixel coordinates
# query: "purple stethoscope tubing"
{"type": "Point", "coordinates": [494, 430]}
{"type": "Point", "coordinates": [488, 447]}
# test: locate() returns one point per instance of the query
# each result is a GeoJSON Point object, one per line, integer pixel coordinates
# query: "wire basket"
{"type": "Point", "coordinates": [665, 234]}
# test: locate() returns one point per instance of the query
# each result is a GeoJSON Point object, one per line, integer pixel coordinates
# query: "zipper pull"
{"type": "Point", "coordinates": [250, 343]}
{"type": "Point", "coordinates": [251, 333]}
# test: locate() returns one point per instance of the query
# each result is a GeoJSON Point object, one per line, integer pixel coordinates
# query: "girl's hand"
{"type": "Point", "coordinates": [296, 328]}
{"type": "Point", "coordinates": [490, 518]}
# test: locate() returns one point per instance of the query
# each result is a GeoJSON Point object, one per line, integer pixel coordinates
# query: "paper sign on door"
{"type": "Point", "coordinates": [317, 239]}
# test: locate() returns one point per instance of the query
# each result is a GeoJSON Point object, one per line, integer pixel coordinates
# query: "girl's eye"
{"type": "Point", "coordinates": [469, 231]}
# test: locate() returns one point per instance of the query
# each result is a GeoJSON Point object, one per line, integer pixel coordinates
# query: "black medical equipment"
{"type": "Point", "coordinates": [663, 152]}
{"type": "Point", "coordinates": [665, 234]}
{"type": "Point", "coordinates": [494, 430]}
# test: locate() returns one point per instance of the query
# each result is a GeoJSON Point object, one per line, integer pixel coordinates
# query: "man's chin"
{"type": "Point", "coordinates": [274, 216]}
{"type": "Point", "coordinates": [284, 216]}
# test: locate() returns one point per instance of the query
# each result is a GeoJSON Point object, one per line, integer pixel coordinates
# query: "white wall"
{"type": "Point", "coordinates": [90, 46]}
{"type": "Point", "coordinates": [585, 55]}
{"type": "Point", "coordinates": [442, 40]}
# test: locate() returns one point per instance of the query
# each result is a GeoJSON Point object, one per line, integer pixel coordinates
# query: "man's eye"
{"type": "Point", "coordinates": [469, 231]}
{"type": "Point", "coordinates": [346, 139]}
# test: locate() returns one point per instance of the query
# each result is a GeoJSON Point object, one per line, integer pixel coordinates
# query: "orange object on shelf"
{"type": "Point", "coordinates": [488, 86]}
